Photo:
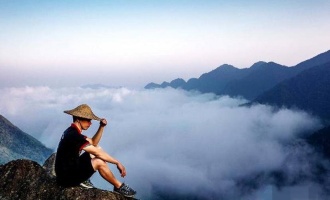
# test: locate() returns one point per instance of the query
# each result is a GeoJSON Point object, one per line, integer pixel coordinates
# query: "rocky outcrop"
{"type": "Point", "coordinates": [26, 179]}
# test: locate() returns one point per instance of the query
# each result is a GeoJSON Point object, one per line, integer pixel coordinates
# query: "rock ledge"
{"type": "Point", "coordinates": [26, 179]}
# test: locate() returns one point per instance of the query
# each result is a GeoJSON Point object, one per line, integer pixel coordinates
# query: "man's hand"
{"type": "Point", "coordinates": [121, 169]}
{"type": "Point", "coordinates": [103, 122]}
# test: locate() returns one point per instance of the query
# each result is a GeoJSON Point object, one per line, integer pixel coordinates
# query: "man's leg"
{"type": "Point", "coordinates": [104, 170]}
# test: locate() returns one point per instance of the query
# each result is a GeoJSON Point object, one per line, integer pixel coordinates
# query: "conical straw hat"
{"type": "Point", "coordinates": [83, 111]}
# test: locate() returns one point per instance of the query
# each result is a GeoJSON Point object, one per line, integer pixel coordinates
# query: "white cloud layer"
{"type": "Point", "coordinates": [167, 139]}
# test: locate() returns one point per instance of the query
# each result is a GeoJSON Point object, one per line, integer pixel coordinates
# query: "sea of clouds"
{"type": "Point", "coordinates": [173, 141]}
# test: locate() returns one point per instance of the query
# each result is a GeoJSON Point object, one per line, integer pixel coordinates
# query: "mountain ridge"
{"type": "Point", "coordinates": [16, 144]}
{"type": "Point", "coordinates": [309, 91]}
{"type": "Point", "coordinates": [247, 82]}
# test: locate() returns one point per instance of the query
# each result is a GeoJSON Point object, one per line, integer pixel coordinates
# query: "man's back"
{"type": "Point", "coordinates": [68, 151]}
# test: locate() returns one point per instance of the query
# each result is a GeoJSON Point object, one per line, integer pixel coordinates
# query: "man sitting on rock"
{"type": "Point", "coordinates": [73, 168]}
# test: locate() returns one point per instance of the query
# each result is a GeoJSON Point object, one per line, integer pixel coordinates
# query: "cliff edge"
{"type": "Point", "coordinates": [26, 179]}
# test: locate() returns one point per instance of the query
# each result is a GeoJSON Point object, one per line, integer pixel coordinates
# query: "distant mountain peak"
{"type": "Point", "coordinates": [222, 69]}
{"type": "Point", "coordinates": [226, 66]}
{"type": "Point", "coordinates": [152, 85]}
{"type": "Point", "coordinates": [248, 82]}
{"type": "Point", "coordinates": [165, 84]}
{"type": "Point", "coordinates": [258, 64]}
{"type": "Point", "coordinates": [176, 83]}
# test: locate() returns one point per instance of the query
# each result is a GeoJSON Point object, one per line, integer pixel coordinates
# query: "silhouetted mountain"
{"type": "Point", "coordinates": [165, 84]}
{"type": "Point", "coordinates": [249, 82]}
{"type": "Point", "coordinates": [320, 59]}
{"type": "Point", "coordinates": [232, 81]}
{"type": "Point", "coordinates": [260, 78]}
{"type": "Point", "coordinates": [15, 144]}
{"type": "Point", "coordinates": [263, 76]}
{"type": "Point", "coordinates": [177, 83]}
{"type": "Point", "coordinates": [152, 85]}
{"type": "Point", "coordinates": [257, 65]}
{"type": "Point", "coordinates": [216, 80]}
{"type": "Point", "coordinates": [309, 91]}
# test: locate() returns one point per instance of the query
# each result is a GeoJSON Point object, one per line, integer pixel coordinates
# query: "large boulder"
{"type": "Point", "coordinates": [26, 179]}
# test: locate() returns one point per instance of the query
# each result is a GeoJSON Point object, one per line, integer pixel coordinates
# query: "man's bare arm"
{"type": "Point", "coordinates": [101, 154]}
{"type": "Point", "coordinates": [97, 137]}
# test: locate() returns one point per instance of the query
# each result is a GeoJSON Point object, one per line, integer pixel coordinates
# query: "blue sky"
{"type": "Point", "coordinates": [131, 43]}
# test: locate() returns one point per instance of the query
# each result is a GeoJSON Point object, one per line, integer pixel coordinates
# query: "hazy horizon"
{"type": "Point", "coordinates": [131, 43]}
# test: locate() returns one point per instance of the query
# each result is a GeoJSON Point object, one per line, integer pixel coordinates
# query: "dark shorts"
{"type": "Point", "coordinates": [84, 171]}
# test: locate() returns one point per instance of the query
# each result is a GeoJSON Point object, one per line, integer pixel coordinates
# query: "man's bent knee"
{"type": "Point", "coordinates": [97, 163]}
{"type": "Point", "coordinates": [97, 146]}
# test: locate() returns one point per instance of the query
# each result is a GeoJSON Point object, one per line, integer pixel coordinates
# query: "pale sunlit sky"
{"type": "Point", "coordinates": [134, 42]}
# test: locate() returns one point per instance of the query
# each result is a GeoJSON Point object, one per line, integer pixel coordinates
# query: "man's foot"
{"type": "Point", "coordinates": [125, 190]}
{"type": "Point", "coordinates": [87, 184]}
